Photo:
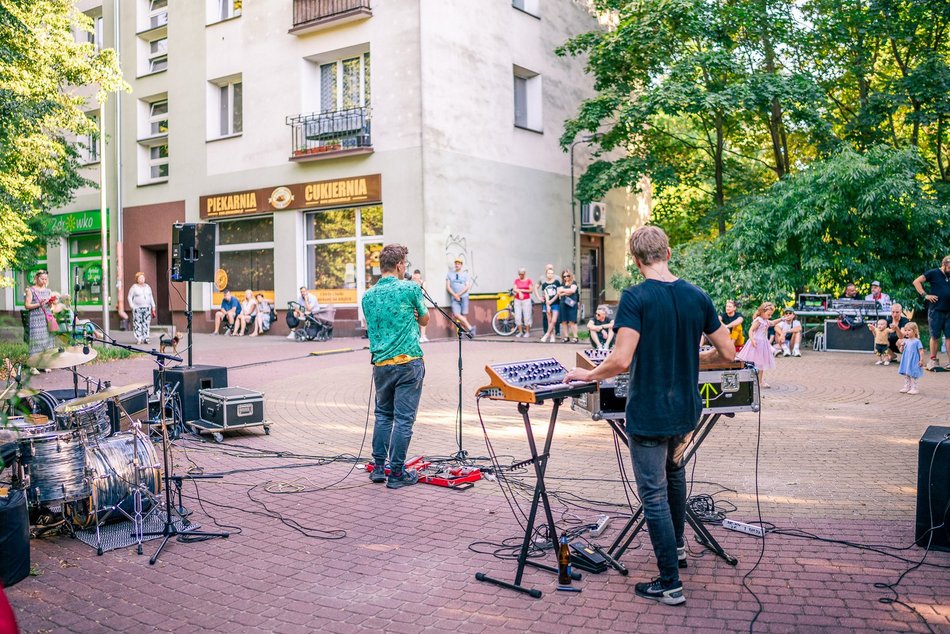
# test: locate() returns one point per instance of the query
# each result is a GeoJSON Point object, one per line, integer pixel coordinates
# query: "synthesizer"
{"type": "Point", "coordinates": [532, 381]}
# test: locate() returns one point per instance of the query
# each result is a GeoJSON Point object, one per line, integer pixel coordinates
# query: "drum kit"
{"type": "Point", "coordinates": [75, 470]}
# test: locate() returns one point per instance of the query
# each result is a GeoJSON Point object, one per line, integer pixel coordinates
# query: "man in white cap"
{"type": "Point", "coordinates": [883, 299]}
{"type": "Point", "coordinates": [458, 284]}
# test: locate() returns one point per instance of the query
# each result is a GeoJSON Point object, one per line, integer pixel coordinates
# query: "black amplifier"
{"type": "Point", "coordinates": [190, 379]}
{"type": "Point", "coordinates": [231, 408]}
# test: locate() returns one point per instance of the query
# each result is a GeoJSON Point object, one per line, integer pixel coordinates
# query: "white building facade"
{"type": "Point", "coordinates": [313, 132]}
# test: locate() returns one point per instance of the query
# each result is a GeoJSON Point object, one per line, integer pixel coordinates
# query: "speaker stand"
{"type": "Point", "coordinates": [188, 318]}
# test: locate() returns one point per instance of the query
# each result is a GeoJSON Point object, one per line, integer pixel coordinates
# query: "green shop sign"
{"type": "Point", "coordinates": [79, 221]}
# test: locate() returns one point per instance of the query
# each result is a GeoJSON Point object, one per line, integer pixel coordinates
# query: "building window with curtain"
{"type": "Point", "coordinates": [246, 253]}
{"type": "Point", "coordinates": [343, 247]}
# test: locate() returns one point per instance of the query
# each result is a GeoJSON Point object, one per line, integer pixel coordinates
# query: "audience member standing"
{"type": "Point", "coordinates": [142, 303]}
{"type": "Point", "coordinates": [523, 286]}
{"type": "Point", "coordinates": [549, 286]}
{"type": "Point", "coordinates": [568, 294]}
{"type": "Point", "coordinates": [938, 316]}
{"type": "Point", "coordinates": [758, 350]}
{"type": "Point", "coordinates": [458, 284]}
{"type": "Point", "coordinates": [39, 302]}
{"type": "Point", "coordinates": [912, 362]}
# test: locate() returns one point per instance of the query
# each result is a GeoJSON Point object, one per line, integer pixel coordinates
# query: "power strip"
{"type": "Point", "coordinates": [602, 522]}
{"type": "Point", "coordinates": [741, 527]}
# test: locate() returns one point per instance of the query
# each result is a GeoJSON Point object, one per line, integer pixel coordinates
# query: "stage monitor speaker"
{"type": "Point", "coordinates": [933, 488]}
{"type": "Point", "coordinates": [191, 380]}
{"type": "Point", "coordinates": [193, 246]}
{"type": "Point", "coordinates": [14, 538]}
{"type": "Point", "coordinates": [858, 338]}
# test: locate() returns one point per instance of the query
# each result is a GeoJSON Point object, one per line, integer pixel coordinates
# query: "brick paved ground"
{"type": "Point", "coordinates": [837, 458]}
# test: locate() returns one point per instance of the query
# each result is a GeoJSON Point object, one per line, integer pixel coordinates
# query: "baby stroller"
{"type": "Point", "coordinates": [308, 327]}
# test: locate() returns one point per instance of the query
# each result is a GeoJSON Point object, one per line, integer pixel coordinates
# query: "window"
{"type": "Point", "coordinates": [158, 162]}
{"type": "Point", "coordinates": [158, 55]}
{"type": "Point", "coordinates": [345, 84]}
{"type": "Point", "coordinates": [527, 99]}
{"type": "Point", "coordinates": [157, 13]}
{"type": "Point", "coordinates": [340, 243]}
{"type": "Point", "coordinates": [158, 118]}
{"type": "Point", "coordinates": [225, 9]}
{"type": "Point", "coordinates": [94, 37]}
{"type": "Point", "coordinates": [227, 100]}
{"type": "Point", "coordinates": [528, 6]}
{"type": "Point", "coordinates": [246, 252]}
{"type": "Point", "coordinates": [88, 145]}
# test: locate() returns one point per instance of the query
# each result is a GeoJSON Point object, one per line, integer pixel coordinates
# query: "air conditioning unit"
{"type": "Point", "coordinates": [594, 214]}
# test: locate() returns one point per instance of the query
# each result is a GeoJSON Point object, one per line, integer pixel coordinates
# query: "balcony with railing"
{"type": "Point", "coordinates": [322, 135]}
{"type": "Point", "coordinates": [313, 15]}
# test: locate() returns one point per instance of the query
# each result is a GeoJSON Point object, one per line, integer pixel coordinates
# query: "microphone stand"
{"type": "Point", "coordinates": [72, 335]}
{"type": "Point", "coordinates": [460, 331]}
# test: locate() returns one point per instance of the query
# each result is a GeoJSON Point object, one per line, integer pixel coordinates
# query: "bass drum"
{"type": "Point", "coordinates": [112, 479]}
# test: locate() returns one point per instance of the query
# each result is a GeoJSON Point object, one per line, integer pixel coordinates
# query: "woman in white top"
{"type": "Point", "coordinates": [143, 308]}
{"type": "Point", "coordinates": [262, 323]}
{"type": "Point", "coordinates": [249, 312]}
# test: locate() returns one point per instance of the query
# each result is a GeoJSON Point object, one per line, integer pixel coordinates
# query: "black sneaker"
{"type": "Point", "coordinates": [378, 474]}
{"type": "Point", "coordinates": [673, 595]}
{"type": "Point", "coordinates": [681, 557]}
{"type": "Point", "coordinates": [406, 478]}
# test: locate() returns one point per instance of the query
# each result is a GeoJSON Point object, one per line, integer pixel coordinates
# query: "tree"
{"type": "Point", "coordinates": [850, 218]}
{"type": "Point", "coordinates": [42, 113]}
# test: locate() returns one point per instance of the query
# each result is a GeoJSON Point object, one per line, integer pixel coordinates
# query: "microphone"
{"type": "Point", "coordinates": [406, 276]}
{"type": "Point", "coordinates": [87, 340]}
{"type": "Point", "coordinates": [77, 284]}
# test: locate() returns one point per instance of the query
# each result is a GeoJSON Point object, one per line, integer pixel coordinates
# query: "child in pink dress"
{"type": "Point", "coordinates": [757, 349]}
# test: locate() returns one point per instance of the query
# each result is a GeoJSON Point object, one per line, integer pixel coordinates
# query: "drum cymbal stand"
{"type": "Point", "coordinates": [170, 530]}
{"type": "Point", "coordinates": [136, 492]}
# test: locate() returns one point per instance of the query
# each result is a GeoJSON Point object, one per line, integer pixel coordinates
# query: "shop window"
{"type": "Point", "coordinates": [246, 253]}
{"type": "Point", "coordinates": [24, 279]}
{"type": "Point", "coordinates": [85, 264]}
{"type": "Point", "coordinates": [343, 248]}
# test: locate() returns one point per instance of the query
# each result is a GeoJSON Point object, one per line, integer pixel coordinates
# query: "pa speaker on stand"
{"type": "Point", "coordinates": [193, 246]}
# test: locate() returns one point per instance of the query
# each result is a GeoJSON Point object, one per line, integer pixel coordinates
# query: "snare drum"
{"type": "Point", "coordinates": [113, 477]}
{"type": "Point", "coordinates": [93, 419]}
{"type": "Point", "coordinates": [54, 467]}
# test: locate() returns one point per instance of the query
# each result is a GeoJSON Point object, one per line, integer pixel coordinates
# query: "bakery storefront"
{"type": "Point", "coordinates": [338, 227]}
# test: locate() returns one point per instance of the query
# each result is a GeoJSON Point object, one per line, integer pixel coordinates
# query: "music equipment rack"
{"type": "Point", "coordinates": [528, 383]}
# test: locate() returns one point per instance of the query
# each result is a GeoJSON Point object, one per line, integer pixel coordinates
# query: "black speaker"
{"type": "Point", "coordinates": [189, 381]}
{"type": "Point", "coordinates": [14, 538]}
{"type": "Point", "coordinates": [933, 488]}
{"type": "Point", "coordinates": [193, 246]}
{"type": "Point", "coordinates": [858, 338]}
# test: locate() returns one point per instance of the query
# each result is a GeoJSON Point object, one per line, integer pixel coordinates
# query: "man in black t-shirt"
{"type": "Point", "coordinates": [938, 317]}
{"type": "Point", "coordinates": [659, 324]}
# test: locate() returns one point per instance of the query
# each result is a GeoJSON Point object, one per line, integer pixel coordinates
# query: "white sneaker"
{"type": "Point", "coordinates": [888, 362]}
{"type": "Point", "coordinates": [932, 363]}
{"type": "Point", "coordinates": [913, 390]}
{"type": "Point", "coordinates": [292, 335]}
{"type": "Point", "coordinates": [423, 339]}
{"type": "Point", "coordinates": [880, 362]}
{"type": "Point", "coordinates": [786, 352]}
{"type": "Point", "coordinates": [796, 352]}
{"type": "Point", "coordinates": [904, 390]}
{"type": "Point", "coordinates": [544, 338]}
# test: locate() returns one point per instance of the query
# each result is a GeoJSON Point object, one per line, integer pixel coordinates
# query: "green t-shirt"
{"type": "Point", "coordinates": [390, 309]}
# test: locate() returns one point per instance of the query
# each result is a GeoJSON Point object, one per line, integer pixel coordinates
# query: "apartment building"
{"type": "Point", "coordinates": [313, 132]}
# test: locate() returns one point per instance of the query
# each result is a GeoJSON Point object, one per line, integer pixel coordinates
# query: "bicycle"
{"type": "Point", "coordinates": [503, 322]}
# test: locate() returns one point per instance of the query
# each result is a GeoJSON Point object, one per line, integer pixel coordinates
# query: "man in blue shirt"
{"type": "Point", "coordinates": [230, 309]}
{"type": "Point", "coordinates": [659, 324]}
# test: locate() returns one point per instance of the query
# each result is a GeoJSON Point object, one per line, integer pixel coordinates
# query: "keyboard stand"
{"type": "Point", "coordinates": [540, 461]}
{"type": "Point", "coordinates": [635, 524]}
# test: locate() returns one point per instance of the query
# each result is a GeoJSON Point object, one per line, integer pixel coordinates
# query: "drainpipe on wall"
{"type": "Point", "coordinates": [120, 252]}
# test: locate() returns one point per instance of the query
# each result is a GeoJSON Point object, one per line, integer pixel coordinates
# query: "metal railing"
{"type": "Point", "coordinates": [306, 11]}
{"type": "Point", "coordinates": [321, 132]}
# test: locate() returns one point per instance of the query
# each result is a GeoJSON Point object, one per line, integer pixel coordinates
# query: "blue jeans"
{"type": "Point", "coordinates": [398, 388]}
{"type": "Point", "coordinates": [661, 480]}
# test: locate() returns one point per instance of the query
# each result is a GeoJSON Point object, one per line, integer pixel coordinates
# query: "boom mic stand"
{"type": "Point", "coordinates": [460, 332]}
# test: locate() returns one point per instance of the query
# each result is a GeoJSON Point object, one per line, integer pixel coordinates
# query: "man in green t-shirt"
{"type": "Point", "coordinates": [394, 310]}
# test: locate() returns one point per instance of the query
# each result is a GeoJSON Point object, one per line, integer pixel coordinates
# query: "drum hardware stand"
{"type": "Point", "coordinates": [540, 462]}
{"type": "Point", "coordinates": [460, 331]}
{"type": "Point", "coordinates": [138, 488]}
{"type": "Point", "coordinates": [636, 523]}
{"type": "Point", "coordinates": [169, 530]}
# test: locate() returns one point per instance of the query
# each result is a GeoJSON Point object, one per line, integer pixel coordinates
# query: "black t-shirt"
{"type": "Point", "coordinates": [663, 396]}
{"type": "Point", "coordinates": [727, 320]}
{"type": "Point", "coordinates": [939, 286]}
{"type": "Point", "coordinates": [549, 291]}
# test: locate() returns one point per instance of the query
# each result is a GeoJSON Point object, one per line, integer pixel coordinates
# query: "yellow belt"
{"type": "Point", "coordinates": [397, 360]}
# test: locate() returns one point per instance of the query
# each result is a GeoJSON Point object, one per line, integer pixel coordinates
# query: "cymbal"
{"type": "Point", "coordinates": [104, 395]}
{"type": "Point", "coordinates": [23, 392]}
{"type": "Point", "coordinates": [57, 358]}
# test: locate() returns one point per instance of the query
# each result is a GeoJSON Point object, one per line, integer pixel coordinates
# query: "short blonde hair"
{"type": "Point", "coordinates": [763, 308]}
{"type": "Point", "coordinates": [649, 244]}
{"type": "Point", "coordinates": [913, 328]}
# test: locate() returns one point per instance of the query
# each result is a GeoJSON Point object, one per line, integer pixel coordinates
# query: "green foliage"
{"type": "Point", "coordinates": [852, 217]}
{"type": "Point", "coordinates": [42, 112]}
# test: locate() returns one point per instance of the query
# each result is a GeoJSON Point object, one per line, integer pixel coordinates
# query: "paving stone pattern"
{"type": "Point", "coordinates": [837, 457]}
